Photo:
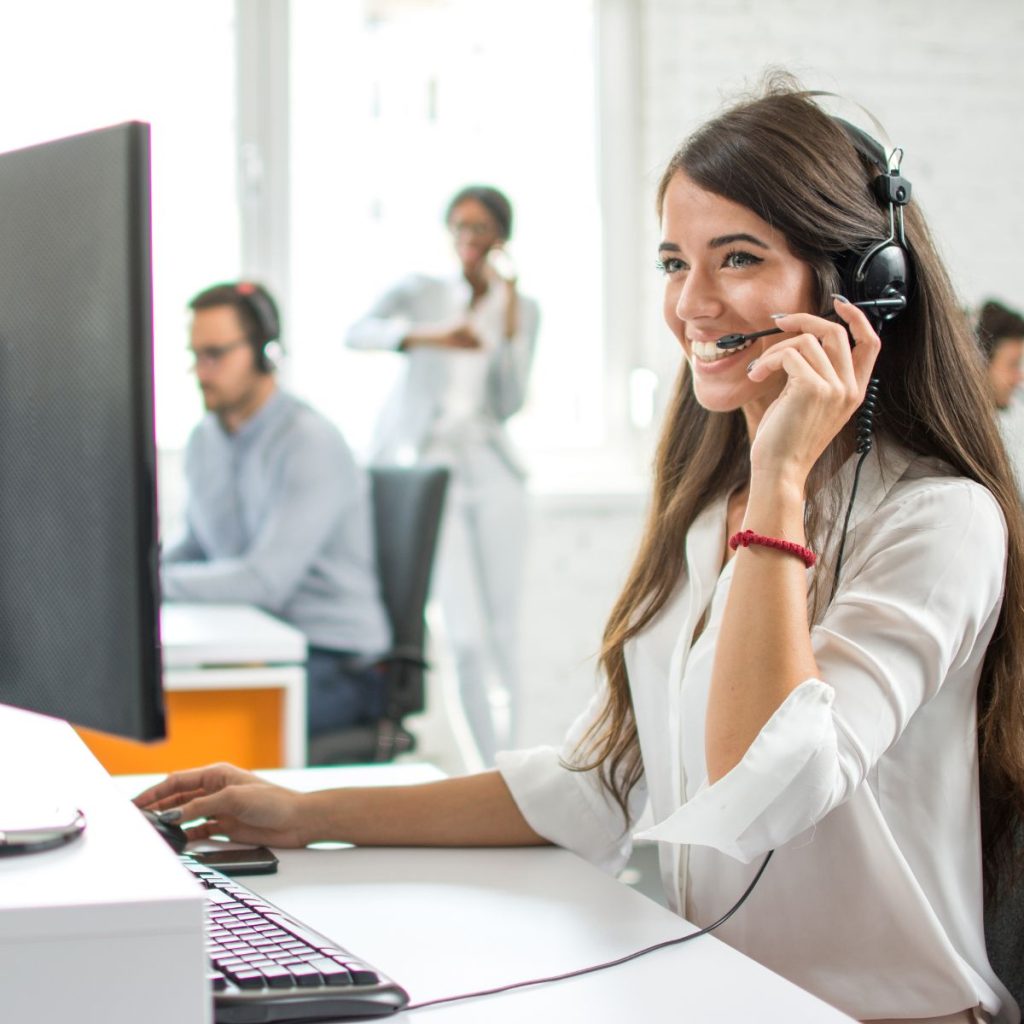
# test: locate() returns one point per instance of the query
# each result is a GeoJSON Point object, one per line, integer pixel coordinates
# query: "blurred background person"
{"type": "Point", "coordinates": [1001, 336]}
{"type": "Point", "coordinates": [1000, 333]}
{"type": "Point", "coordinates": [278, 512]}
{"type": "Point", "coordinates": [469, 341]}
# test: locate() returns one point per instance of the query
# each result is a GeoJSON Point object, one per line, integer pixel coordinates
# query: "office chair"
{"type": "Point", "coordinates": [1004, 932]}
{"type": "Point", "coordinates": [407, 507]}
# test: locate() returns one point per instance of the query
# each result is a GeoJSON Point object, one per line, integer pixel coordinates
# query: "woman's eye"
{"type": "Point", "coordinates": [670, 266]}
{"type": "Point", "coordinates": [739, 258]}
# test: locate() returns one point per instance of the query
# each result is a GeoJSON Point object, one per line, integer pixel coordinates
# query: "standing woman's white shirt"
{"type": "Point", "coordinates": [449, 408]}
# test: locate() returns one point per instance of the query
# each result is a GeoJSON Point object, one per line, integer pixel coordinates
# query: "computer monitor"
{"type": "Point", "coordinates": [79, 591]}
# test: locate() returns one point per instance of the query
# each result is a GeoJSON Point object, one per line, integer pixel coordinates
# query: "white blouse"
{"type": "Point", "coordinates": [864, 781]}
{"type": "Point", "coordinates": [449, 397]}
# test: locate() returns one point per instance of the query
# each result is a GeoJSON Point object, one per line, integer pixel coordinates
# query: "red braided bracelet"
{"type": "Point", "coordinates": [748, 537]}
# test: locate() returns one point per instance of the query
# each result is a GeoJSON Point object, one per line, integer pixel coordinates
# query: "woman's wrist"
{"type": "Point", "coordinates": [783, 492]}
{"type": "Point", "coordinates": [314, 814]}
{"type": "Point", "coordinates": [414, 339]}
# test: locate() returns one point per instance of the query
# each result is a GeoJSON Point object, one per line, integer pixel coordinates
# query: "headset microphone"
{"type": "Point", "coordinates": [890, 306]}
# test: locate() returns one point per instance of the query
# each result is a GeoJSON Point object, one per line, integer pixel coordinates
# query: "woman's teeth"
{"type": "Point", "coordinates": [708, 351]}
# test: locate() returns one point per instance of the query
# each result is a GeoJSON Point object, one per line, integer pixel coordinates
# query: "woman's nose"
{"type": "Point", "coordinates": [697, 297]}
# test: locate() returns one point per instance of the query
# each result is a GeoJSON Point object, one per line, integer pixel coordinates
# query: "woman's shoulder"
{"type": "Point", "coordinates": [930, 493]}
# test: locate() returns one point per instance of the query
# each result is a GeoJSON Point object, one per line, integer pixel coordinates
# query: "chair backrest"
{"type": "Point", "coordinates": [1004, 932]}
{"type": "Point", "coordinates": [407, 506]}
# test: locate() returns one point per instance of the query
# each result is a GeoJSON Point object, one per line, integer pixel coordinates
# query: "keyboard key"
{"type": "Point", "coordinates": [361, 974]}
{"type": "Point", "coordinates": [247, 979]}
{"type": "Point", "coordinates": [305, 975]}
{"type": "Point", "coordinates": [333, 973]}
{"type": "Point", "coordinates": [278, 977]}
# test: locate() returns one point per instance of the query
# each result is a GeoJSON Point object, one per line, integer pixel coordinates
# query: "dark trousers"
{"type": "Point", "coordinates": [341, 691]}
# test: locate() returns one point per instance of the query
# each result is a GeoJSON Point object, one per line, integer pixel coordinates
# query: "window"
{"type": "Point", "coordinates": [103, 66]}
{"type": "Point", "coordinates": [394, 106]}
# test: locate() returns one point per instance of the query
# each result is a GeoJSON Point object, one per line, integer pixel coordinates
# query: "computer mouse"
{"type": "Point", "coordinates": [173, 834]}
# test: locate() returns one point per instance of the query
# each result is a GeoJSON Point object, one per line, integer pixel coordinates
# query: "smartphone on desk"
{"type": "Point", "coordinates": [254, 860]}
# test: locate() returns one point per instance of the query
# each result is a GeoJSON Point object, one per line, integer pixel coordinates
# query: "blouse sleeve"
{"type": "Point", "coordinates": [510, 368]}
{"type": "Point", "coordinates": [570, 808]}
{"type": "Point", "coordinates": [388, 321]}
{"type": "Point", "coordinates": [920, 592]}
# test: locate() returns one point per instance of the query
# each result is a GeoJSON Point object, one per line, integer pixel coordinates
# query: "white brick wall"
{"type": "Point", "coordinates": [580, 550]}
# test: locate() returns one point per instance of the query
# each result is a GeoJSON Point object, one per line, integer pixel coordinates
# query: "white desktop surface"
{"type": "Point", "coordinates": [447, 921]}
{"type": "Point", "coordinates": [195, 635]}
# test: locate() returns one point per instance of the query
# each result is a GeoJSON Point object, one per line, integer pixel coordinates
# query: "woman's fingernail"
{"type": "Point", "coordinates": [170, 816]}
{"type": "Point", "coordinates": [840, 298]}
{"type": "Point", "coordinates": [751, 365]}
{"type": "Point", "coordinates": [779, 316]}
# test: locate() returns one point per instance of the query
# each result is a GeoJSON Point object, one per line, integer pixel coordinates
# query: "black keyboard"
{"type": "Point", "coordinates": [267, 966]}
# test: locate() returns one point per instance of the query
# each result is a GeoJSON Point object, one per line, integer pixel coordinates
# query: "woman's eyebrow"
{"type": "Point", "coordinates": [720, 240]}
{"type": "Point", "coordinates": [668, 247]}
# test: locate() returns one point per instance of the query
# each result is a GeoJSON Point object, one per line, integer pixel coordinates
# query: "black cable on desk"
{"type": "Point", "coordinates": [610, 963]}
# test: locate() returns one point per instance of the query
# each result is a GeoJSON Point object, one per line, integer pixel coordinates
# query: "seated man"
{"type": "Point", "coordinates": [278, 512]}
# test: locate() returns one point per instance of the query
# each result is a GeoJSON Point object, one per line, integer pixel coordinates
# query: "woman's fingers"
{"type": "Point", "coordinates": [842, 354]}
{"type": "Point", "coordinates": [246, 813]}
{"type": "Point", "coordinates": [180, 787]}
{"type": "Point", "coordinates": [866, 343]}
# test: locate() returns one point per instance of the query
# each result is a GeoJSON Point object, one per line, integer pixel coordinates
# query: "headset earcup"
{"type": "Point", "coordinates": [882, 272]}
{"type": "Point", "coordinates": [264, 312]}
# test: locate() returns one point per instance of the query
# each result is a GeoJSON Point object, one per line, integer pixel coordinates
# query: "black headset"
{"type": "Point", "coordinates": [263, 312]}
{"type": "Point", "coordinates": [881, 273]}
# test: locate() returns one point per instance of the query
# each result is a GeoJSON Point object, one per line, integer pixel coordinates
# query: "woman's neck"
{"type": "Point", "coordinates": [476, 278]}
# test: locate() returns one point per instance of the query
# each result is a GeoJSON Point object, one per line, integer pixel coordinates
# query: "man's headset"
{"type": "Point", "coordinates": [878, 278]}
{"type": "Point", "coordinates": [263, 312]}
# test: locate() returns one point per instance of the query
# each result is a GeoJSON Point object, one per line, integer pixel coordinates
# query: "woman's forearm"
{"type": "Point", "coordinates": [473, 810]}
{"type": "Point", "coordinates": [764, 649]}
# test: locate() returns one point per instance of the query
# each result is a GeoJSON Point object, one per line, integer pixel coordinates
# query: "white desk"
{"type": "Point", "coordinates": [87, 931]}
{"type": "Point", "coordinates": [238, 647]}
{"type": "Point", "coordinates": [447, 921]}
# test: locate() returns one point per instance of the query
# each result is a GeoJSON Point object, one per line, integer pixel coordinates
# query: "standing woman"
{"type": "Point", "coordinates": [468, 341]}
{"type": "Point", "coordinates": [845, 693]}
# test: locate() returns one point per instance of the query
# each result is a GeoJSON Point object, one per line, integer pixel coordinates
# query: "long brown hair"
{"type": "Point", "coordinates": [782, 157]}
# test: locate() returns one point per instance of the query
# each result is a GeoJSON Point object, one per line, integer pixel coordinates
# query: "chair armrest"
{"type": "Point", "coordinates": [405, 655]}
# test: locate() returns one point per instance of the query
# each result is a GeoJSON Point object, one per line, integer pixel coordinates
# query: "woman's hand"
{"type": "Point", "coordinates": [825, 383]}
{"type": "Point", "coordinates": [501, 265]}
{"type": "Point", "coordinates": [234, 803]}
{"type": "Point", "coordinates": [460, 335]}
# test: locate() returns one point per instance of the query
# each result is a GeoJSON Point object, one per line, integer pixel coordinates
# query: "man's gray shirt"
{"type": "Point", "coordinates": [279, 515]}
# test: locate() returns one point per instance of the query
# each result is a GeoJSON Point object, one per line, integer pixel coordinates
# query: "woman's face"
{"type": "Point", "coordinates": [726, 271]}
{"type": "Point", "coordinates": [474, 232]}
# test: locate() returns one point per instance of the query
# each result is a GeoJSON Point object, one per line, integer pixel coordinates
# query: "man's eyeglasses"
{"type": "Point", "coordinates": [211, 355]}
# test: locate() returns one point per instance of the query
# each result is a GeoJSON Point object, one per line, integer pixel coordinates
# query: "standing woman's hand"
{"type": "Point", "coordinates": [826, 381]}
{"type": "Point", "coordinates": [459, 334]}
